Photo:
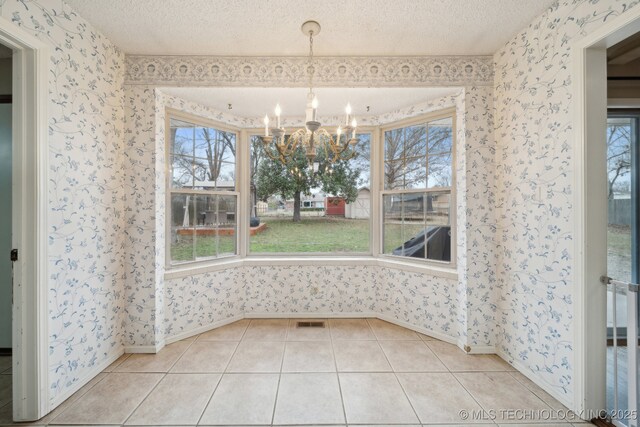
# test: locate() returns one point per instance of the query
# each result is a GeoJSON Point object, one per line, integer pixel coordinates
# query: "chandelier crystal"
{"type": "Point", "coordinates": [280, 146]}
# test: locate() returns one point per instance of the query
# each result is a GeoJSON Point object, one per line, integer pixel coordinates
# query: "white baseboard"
{"type": "Point", "coordinates": [354, 315]}
{"type": "Point", "coordinates": [527, 373]}
{"type": "Point", "coordinates": [424, 331]}
{"type": "Point", "coordinates": [152, 349]}
{"type": "Point", "coordinates": [477, 349]}
{"type": "Point", "coordinates": [58, 400]}
{"type": "Point", "coordinates": [201, 329]}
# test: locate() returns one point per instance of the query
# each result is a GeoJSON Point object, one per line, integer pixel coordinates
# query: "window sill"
{"type": "Point", "coordinates": [202, 268]}
{"type": "Point", "coordinates": [354, 261]}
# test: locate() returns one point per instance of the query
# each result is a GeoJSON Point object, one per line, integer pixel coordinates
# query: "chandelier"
{"type": "Point", "coordinates": [280, 146]}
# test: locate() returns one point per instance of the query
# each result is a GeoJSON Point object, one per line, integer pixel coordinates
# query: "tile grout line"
{"type": "Point", "coordinates": [511, 373]}
{"type": "Point", "coordinates": [224, 371]}
{"type": "Point", "coordinates": [398, 381]}
{"type": "Point", "coordinates": [158, 383]}
{"type": "Point", "coordinates": [284, 348]}
{"type": "Point", "coordinates": [335, 364]}
{"type": "Point", "coordinates": [71, 405]}
{"type": "Point", "coordinates": [458, 381]}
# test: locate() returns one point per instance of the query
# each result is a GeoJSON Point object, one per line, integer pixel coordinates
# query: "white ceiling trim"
{"type": "Point", "coordinates": [198, 71]}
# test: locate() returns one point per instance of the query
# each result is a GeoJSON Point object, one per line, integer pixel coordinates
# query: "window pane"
{"type": "Point", "coordinates": [362, 161]}
{"type": "Point", "coordinates": [438, 242]}
{"type": "Point", "coordinates": [438, 208]}
{"type": "Point", "coordinates": [215, 159]}
{"type": "Point", "coordinates": [215, 145]}
{"type": "Point", "coordinates": [440, 170]}
{"type": "Point", "coordinates": [419, 156]}
{"type": "Point", "coordinates": [394, 175]}
{"type": "Point", "coordinates": [182, 227]}
{"type": "Point", "coordinates": [393, 144]}
{"type": "Point", "coordinates": [216, 231]}
{"type": "Point", "coordinates": [415, 141]}
{"type": "Point", "coordinates": [415, 175]}
{"type": "Point", "coordinates": [440, 136]}
{"type": "Point", "coordinates": [181, 137]}
{"type": "Point", "coordinates": [416, 225]}
{"type": "Point", "coordinates": [404, 219]}
{"type": "Point", "coordinates": [181, 172]}
{"type": "Point", "coordinates": [227, 228]}
{"type": "Point", "coordinates": [332, 199]}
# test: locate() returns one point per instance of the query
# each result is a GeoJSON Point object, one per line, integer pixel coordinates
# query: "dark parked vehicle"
{"type": "Point", "coordinates": [437, 241]}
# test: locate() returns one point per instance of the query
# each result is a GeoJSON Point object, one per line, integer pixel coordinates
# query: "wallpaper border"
{"type": "Point", "coordinates": [387, 71]}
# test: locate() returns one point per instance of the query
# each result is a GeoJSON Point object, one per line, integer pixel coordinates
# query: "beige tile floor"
{"type": "Point", "coordinates": [268, 372]}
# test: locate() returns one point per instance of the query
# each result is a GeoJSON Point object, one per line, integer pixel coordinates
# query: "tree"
{"type": "Point", "coordinates": [297, 177]}
{"type": "Point", "coordinates": [407, 151]}
{"type": "Point", "coordinates": [618, 154]}
{"type": "Point", "coordinates": [202, 155]}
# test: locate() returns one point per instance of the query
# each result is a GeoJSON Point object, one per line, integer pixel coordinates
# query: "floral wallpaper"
{"type": "Point", "coordinates": [427, 302]}
{"type": "Point", "coordinates": [86, 190]}
{"type": "Point", "coordinates": [534, 168]}
{"type": "Point", "coordinates": [478, 219]}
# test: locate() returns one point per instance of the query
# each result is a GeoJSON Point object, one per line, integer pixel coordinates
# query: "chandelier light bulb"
{"type": "Point", "coordinates": [348, 110]}
{"type": "Point", "coordinates": [266, 125]}
{"type": "Point", "coordinates": [339, 131]}
{"type": "Point", "coordinates": [278, 111]}
{"type": "Point", "coordinates": [354, 123]}
{"type": "Point", "coordinates": [314, 107]}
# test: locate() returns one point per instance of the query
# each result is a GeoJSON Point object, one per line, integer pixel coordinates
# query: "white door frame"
{"type": "Point", "coordinates": [29, 222]}
{"type": "Point", "coordinates": [590, 203]}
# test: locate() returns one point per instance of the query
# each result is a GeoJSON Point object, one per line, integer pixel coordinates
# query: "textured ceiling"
{"type": "Point", "coordinates": [354, 27]}
{"type": "Point", "coordinates": [256, 102]}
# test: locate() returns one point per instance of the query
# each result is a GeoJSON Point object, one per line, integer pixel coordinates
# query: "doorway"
{"type": "Point", "coordinates": [623, 261]}
{"type": "Point", "coordinates": [6, 280]}
{"type": "Point", "coordinates": [595, 326]}
{"type": "Point", "coordinates": [29, 153]}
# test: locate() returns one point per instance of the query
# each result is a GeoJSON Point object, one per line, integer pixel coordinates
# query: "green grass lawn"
{"type": "Point", "coordinates": [312, 234]}
{"type": "Point", "coordinates": [395, 234]}
{"type": "Point", "coordinates": [322, 234]}
{"type": "Point", "coordinates": [206, 247]}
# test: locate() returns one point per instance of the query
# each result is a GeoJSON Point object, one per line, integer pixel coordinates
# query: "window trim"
{"type": "Point", "coordinates": [171, 113]}
{"type": "Point", "coordinates": [412, 121]}
{"type": "Point", "coordinates": [375, 256]}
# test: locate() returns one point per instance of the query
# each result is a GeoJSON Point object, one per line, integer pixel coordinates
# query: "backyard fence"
{"type": "Point", "coordinates": [620, 211]}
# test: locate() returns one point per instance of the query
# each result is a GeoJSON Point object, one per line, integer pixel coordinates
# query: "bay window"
{"type": "Point", "coordinates": [404, 208]}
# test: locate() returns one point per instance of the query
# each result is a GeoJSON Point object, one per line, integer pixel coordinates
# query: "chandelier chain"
{"type": "Point", "coordinates": [312, 68]}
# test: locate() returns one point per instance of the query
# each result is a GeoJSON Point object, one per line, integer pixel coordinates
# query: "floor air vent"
{"type": "Point", "coordinates": [310, 324]}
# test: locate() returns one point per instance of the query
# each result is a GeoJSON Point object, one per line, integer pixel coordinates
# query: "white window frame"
{"type": "Point", "coordinates": [171, 113]}
{"type": "Point", "coordinates": [375, 256]}
{"type": "Point", "coordinates": [423, 119]}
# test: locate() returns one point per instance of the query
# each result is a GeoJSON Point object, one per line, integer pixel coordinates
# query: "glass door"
{"type": "Point", "coordinates": [622, 266]}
